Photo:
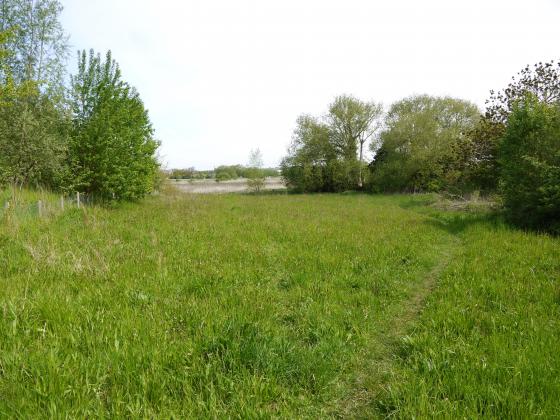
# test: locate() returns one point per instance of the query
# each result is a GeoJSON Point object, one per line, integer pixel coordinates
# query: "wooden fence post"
{"type": "Point", "coordinates": [40, 208]}
{"type": "Point", "coordinates": [62, 202]}
{"type": "Point", "coordinates": [78, 199]}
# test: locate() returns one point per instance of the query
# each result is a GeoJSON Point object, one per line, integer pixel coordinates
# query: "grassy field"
{"type": "Point", "coordinates": [276, 306]}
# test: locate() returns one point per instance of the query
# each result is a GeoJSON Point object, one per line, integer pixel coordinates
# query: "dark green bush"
{"type": "Point", "coordinates": [530, 161]}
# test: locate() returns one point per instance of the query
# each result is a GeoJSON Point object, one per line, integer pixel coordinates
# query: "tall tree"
{"type": "Point", "coordinates": [39, 44]}
{"type": "Point", "coordinates": [353, 123]}
{"type": "Point", "coordinates": [112, 149]}
{"type": "Point", "coordinates": [307, 167]}
{"type": "Point", "coordinates": [530, 160]}
{"type": "Point", "coordinates": [33, 137]}
{"type": "Point", "coordinates": [541, 80]}
{"type": "Point", "coordinates": [420, 145]}
{"type": "Point", "coordinates": [33, 131]}
{"type": "Point", "coordinates": [327, 154]}
{"type": "Point", "coordinates": [255, 173]}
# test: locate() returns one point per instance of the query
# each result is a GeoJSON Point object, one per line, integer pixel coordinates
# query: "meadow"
{"type": "Point", "coordinates": [276, 305]}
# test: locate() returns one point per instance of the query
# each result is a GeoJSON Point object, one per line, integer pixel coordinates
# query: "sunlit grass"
{"type": "Point", "coordinates": [487, 342]}
{"type": "Point", "coordinates": [272, 305]}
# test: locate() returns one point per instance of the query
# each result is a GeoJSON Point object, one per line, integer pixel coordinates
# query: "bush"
{"type": "Point", "coordinates": [530, 160]}
{"type": "Point", "coordinates": [255, 179]}
{"type": "Point", "coordinates": [222, 176]}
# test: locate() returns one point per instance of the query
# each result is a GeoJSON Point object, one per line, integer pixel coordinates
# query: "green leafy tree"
{"type": "Point", "coordinates": [308, 165]}
{"type": "Point", "coordinates": [483, 143]}
{"type": "Point", "coordinates": [541, 80]}
{"type": "Point", "coordinates": [255, 174]}
{"type": "Point", "coordinates": [223, 176]}
{"type": "Point", "coordinates": [530, 160]}
{"type": "Point", "coordinates": [39, 45]}
{"type": "Point", "coordinates": [182, 173]}
{"type": "Point", "coordinates": [113, 152]}
{"type": "Point", "coordinates": [33, 131]}
{"type": "Point", "coordinates": [33, 137]}
{"type": "Point", "coordinates": [478, 152]}
{"type": "Point", "coordinates": [33, 120]}
{"type": "Point", "coordinates": [352, 124]}
{"type": "Point", "coordinates": [328, 154]}
{"type": "Point", "coordinates": [225, 172]}
{"type": "Point", "coordinates": [420, 146]}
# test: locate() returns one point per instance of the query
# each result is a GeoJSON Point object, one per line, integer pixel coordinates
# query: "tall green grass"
{"type": "Point", "coordinates": [23, 205]}
{"type": "Point", "coordinates": [487, 344]}
{"type": "Point", "coordinates": [271, 306]}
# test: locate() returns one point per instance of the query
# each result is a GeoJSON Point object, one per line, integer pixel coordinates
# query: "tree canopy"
{"type": "Point", "coordinates": [38, 47]}
{"type": "Point", "coordinates": [541, 80]}
{"type": "Point", "coordinates": [420, 144]}
{"type": "Point", "coordinates": [530, 160]}
{"type": "Point", "coordinates": [327, 154]}
{"type": "Point", "coordinates": [99, 141]}
{"type": "Point", "coordinates": [112, 151]}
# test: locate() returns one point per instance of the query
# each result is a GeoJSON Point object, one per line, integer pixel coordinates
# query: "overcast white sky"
{"type": "Point", "coordinates": [222, 77]}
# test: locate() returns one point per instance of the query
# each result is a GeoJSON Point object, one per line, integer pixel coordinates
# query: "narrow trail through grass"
{"type": "Point", "coordinates": [375, 376]}
{"type": "Point", "coordinates": [485, 343]}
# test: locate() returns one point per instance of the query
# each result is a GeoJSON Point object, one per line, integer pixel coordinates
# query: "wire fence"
{"type": "Point", "coordinates": [39, 205]}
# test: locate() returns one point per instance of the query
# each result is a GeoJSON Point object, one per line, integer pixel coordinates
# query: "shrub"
{"type": "Point", "coordinates": [530, 159]}
{"type": "Point", "coordinates": [222, 176]}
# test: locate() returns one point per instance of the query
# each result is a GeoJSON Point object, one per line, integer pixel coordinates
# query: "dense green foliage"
{"type": "Point", "coordinates": [438, 144]}
{"type": "Point", "coordinates": [421, 144]}
{"type": "Point", "coordinates": [310, 157]}
{"type": "Point", "coordinates": [328, 154]}
{"type": "Point", "coordinates": [478, 157]}
{"type": "Point", "coordinates": [285, 306]}
{"type": "Point", "coordinates": [192, 173]}
{"type": "Point", "coordinates": [33, 137]}
{"type": "Point", "coordinates": [543, 82]}
{"type": "Point", "coordinates": [33, 123]}
{"type": "Point", "coordinates": [98, 141]}
{"type": "Point", "coordinates": [530, 159]}
{"type": "Point", "coordinates": [112, 150]}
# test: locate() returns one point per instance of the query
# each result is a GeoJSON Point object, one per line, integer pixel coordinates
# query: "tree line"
{"type": "Point", "coordinates": [90, 134]}
{"type": "Point", "coordinates": [220, 173]}
{"type": "Point", "coordinates": [441, 144]}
